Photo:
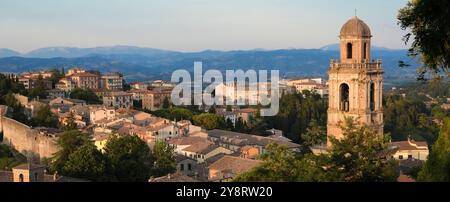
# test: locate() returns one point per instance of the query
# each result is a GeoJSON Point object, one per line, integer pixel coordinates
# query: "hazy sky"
{"type": "Point", "coordinates": [192, 25]}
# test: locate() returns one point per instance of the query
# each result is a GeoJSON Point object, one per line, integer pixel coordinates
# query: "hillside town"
{"type": "Point", "coordinates": [87, 125]}
{"type": "Point", "coordinates": [126, 110]}
{"type": "Point", "coordinates": [200, 154]}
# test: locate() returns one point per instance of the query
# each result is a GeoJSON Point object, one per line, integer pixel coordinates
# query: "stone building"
{"type": "Point", "coordinates": [355, 81]}
{"type": "Point", "coordinates": [154, 100]}
{"type": "Point", "coordinates": [119, 100]}
{"type": "Point", "coordinates": [86, 80]}
{"type": "Point", "coordinates": [112, 81]}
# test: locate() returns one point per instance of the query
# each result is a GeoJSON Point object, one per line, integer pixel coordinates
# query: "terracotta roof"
{"type": "Point", "coordinates": [214, 158]}
{"type": "Point", "coordinates": [83, 74]}
{"type": "Point", "coordinates": [100, 136]}
{"type": "Point", "coordinates": [242, 139]}
{"type": "Point", "coordinates": [175, 177]}
{"type": "Point", "coordinates": [201, 148]}
{"type": "Point", "coordinates": [410, 145]}
{"type": "Point", "coordinates": [234, 164]}
{"type": "Point", "coordinates": [158, 127]}
{"type": "Point", "coordinates": [121, 93]}
{"type": "Point", "coordinates": [186, 140]}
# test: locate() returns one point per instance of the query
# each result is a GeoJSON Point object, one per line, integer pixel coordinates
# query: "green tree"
{"type": "Point", "coordinates": [130, 157]}
{"type": "Point", "coordinates": [56, 76]}
{"type": "Point", "coordinates": [212, 109]}
{"type": "Point", "coordinates": [296, 112]}
{"type": "Point", "coordinates": [10, 84]}
{"type": "Point", "coordinates": [209, 121]}
{"type": "Point", "coordinates": [229, 108]}
{"type": "Point", "coordinates": [229, 124]}
{"type": "Point", "coordinates": [241, 126]}
{"type": "Point", "coordinates": [360, 155]}
{"type": "Point", "coordinates": [315, 135]}
{"type": "Point", "coordinates": [68, 143]}
{"type": "Point", "coordinates": [71, 125]}
{"type": "Point", "coordinates": [39, 89]}
{"type": "Point", "coordinates": [280, 164]}
{"type": "Point", "coordinates": [18, 111]}
{"type": "Point", "coordinates": [164, 159]}
{"type": "Point", "coordinates": [10, 158]}
{"type": "Point", "coordinates": [86, 95]}
{"type": "Point", "coordinates": [86, 162]}
{"type": "Point", "coordinates": [45, 118]}
{"type": "Point", "coordinates": [172, 113]}
{"type": "Point", "coordinates": [428, 23]}
{"type": "Point", "coordinates": [437, 167]}
{"type": "Point", "coordinates": [166, 103]}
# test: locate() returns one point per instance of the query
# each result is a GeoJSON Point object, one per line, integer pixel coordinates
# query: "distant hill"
{"type": "Point", "coordinates": [4, 52]}
{"type": "Point", "coordinates": [146, 63]}
{"type": "Point", "coordinates": [69, 52]}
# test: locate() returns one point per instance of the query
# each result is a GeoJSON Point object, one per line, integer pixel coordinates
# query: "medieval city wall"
{"type": "Point", "coordinates": [27, 140]}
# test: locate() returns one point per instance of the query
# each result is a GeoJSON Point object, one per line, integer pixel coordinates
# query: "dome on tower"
{"type": "Point", "coordinates": [355, 27]}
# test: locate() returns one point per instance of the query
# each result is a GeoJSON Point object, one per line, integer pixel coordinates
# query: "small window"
{"type": "Point", "coordinates": [182, 167]}
{"type": "Point", "coordinates": [349, 51]}
{"type": "Point", "coordinates": [410, 156]}
{"type": "Point", "coordinates": [365, 51]}
{"type": "Point", "coordinates": [20, 178]}
{"type": "Point", "coordinates": [344, 98]}
{"type": "Point", "coordinates": [189, 167]}
{"type": "Point", "coordinates": [400, 157]}
{"type": "Point", "coordinates": [372, 97]}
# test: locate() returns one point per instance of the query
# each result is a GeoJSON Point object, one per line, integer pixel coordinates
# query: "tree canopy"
{"type": "Point", "coordinates": [209, 121]}
{"type": "Point", "coordinates": [86, 162]}
{"type": "Point", "coordinates": [164, 159]}
{"type": "Point", "coordinates": [45, 118]}
{"type": "Point", "coordinates": [68, 143]}
{"type": "Point", "coordinates": [437, 167]}
{"type": "Point", "coordinates": [359, 156]}
{"type": "Point", "coordinates": [130, 157]}
{"type": "Point", "coordinates": [429, 27]}
{"type": "Point", "coordinates": [86, 95]}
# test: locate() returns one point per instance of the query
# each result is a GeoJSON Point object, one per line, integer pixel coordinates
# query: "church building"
{"type": "Point", "coordinates": [355, 81]}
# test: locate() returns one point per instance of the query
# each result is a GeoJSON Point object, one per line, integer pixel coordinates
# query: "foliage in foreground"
{"type": "Point", "coordinates": [358, 157]}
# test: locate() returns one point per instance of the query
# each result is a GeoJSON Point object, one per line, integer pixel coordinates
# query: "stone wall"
{"type": "Point", "coordinates": [26, 139]}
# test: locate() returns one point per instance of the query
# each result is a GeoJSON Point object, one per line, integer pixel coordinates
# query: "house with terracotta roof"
{"type": "Point", "coordinates": [118, 100]}
{"type": "Point", "coordinates": [235, 141]}
{"type": "Point", "coordinates": [197, 148]}
{"type": "Point", "coordinates": [174, 177]}
{"type": "Point", "coordinates": [86, 80]}
{"type": "Point", "coordinates": [410, 149]}
{"type": "Point", "coordinates": [228, 167]}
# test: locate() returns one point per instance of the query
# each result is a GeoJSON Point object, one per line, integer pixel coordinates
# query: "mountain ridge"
{"type": "Point", "coordinates": [290, 62]}
{"type": "Point", "coordinates": [76, 52]}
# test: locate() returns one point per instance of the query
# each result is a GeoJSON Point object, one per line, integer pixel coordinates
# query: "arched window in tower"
{"type": "Point", "coordinates": [372, 96]}
{"type": "Point", "coordinates": [365, 51]}
{"type": "Point", "coordinates": [349, 50]}
{"type": "Point", "coordinates": [344, 101]}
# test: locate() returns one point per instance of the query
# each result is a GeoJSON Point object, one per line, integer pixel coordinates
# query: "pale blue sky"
{"type": "Point", "coordinates": [191, 25]}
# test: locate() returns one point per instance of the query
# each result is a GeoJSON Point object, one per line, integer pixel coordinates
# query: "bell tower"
{"type": "Point", "coordinates": [355, 81]}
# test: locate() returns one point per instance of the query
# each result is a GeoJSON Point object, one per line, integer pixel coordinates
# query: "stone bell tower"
{"type": "Point", "coordinates": [355, 81]}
